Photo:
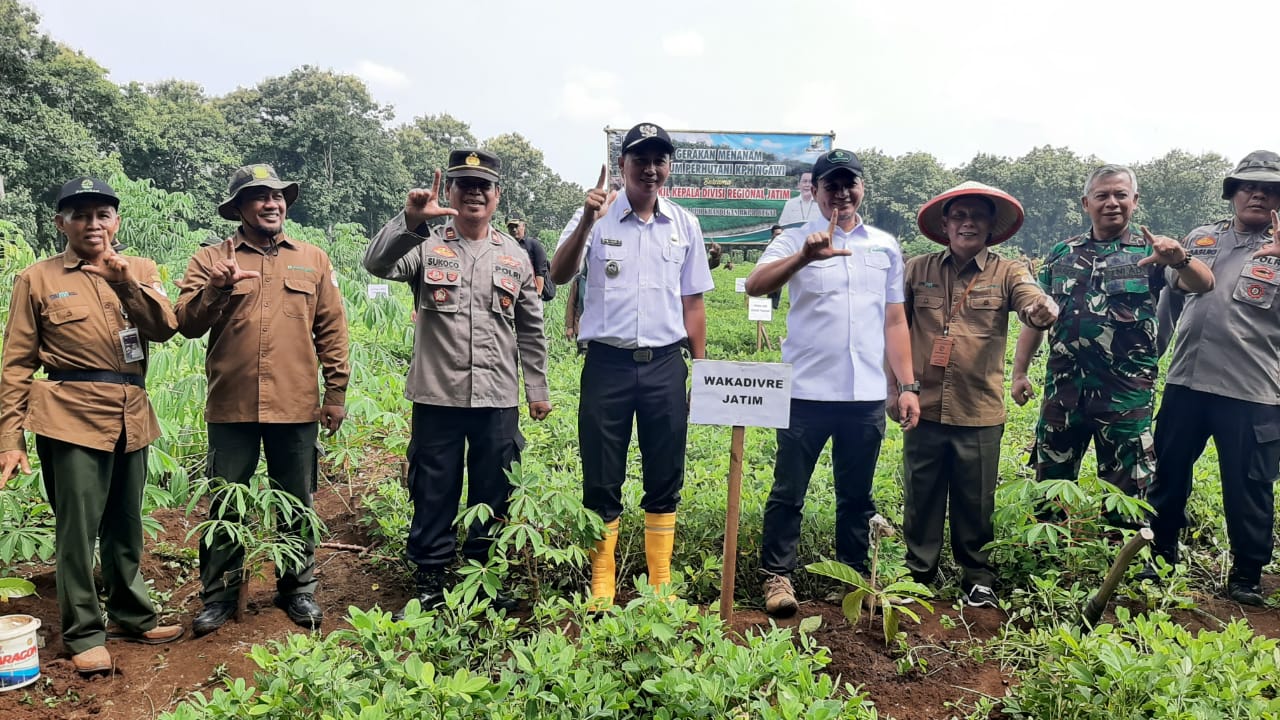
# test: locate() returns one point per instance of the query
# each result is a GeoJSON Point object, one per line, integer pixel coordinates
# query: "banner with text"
{"type": "Point", "coordinates": [738, 184]}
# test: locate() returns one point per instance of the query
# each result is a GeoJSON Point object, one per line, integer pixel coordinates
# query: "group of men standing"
{"type": "Point", "coordinates": [868, 335]}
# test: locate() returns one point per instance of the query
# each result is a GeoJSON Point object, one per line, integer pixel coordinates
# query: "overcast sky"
{"type": "Point", "coordinates": [1127, 81]}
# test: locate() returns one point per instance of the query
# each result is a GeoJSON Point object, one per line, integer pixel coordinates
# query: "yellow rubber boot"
{"type": "Point", "coordinates": [603, 569]}
{"type": "Point", "coordinates": [659, 539]}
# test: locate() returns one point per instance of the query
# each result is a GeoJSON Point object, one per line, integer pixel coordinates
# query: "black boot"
{"type": "Point", "coordinates": [1245, 586]}
{"type": "Point", "coordinates": [431, 584]}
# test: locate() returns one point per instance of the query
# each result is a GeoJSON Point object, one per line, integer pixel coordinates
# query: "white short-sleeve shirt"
{"type": "Point", "coordinates": [835, 328]}
{"type": "Point", "coordinates": [637, 273]}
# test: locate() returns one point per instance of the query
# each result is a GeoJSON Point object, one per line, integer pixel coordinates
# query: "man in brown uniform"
{"type": "Point", "coordinates": [479, 323]}
{"type": "Point", "coordinates": [273, 311]}
{"type": "Point", "coordinates": [958, 303]}
{"type": "Point", "coordinates": [86, 316]}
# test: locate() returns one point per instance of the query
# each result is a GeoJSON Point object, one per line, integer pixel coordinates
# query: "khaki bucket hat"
{"type": "Point", "coordinates": [259, 175]}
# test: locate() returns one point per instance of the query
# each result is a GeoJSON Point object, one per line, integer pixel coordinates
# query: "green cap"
{"type": "Point", "coordinates": [1261, 166]}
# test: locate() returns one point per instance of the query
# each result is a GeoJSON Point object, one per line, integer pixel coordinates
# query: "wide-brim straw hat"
{"type": "Point", "coordinates": [1008, 212]}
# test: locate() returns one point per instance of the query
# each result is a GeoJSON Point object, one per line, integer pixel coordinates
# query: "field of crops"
{"type": "Point", "coordinates": [1173, 651]}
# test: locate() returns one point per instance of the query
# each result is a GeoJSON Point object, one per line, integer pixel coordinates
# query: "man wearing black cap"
{"type": "Point", "coordinates": [845, 284]}
{"type": "Point", "coordinates": [479, 324]}
{"type": "Point", "coordinates": [646, 270]}
{"type": "Point", "coordinates": [1222, 381]}
{"type": "Point", "coordinates": [517, 229]}
{"type": "Point", "coordinates": [273, 311]}
{"type": "Point", "coordinates": [86, 316]}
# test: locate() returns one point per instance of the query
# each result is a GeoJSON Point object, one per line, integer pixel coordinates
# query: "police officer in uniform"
{"type": "Point", "coordinates": [479, 323]}
{"type": "Point", "coordinates": [86, 315]}
{"type": "Point", "coordinates": [273, 311]}
{"type": "Point", "coordinates": [646, 270]}
{"type": "Point", "coordinates": [1223, 382]}
{"type": "Point", "coordinates": [1101, 371]}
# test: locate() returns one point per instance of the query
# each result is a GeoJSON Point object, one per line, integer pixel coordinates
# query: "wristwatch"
{"type": "Point", "coordinates": [909, 387]}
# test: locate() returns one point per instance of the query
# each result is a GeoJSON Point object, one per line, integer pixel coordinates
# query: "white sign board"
{"type": "Point", "coordinates": [760, 309]}
{"type": "Point", "coordinates": [741, 393]}
{"type": "Point", "coordinates": [377, 291]}
{"type": "Point", "coordinates": [740, 285]}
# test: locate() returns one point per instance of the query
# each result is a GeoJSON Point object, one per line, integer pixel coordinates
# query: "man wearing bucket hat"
{"type": "Point", "coordinates": [1222, 381]}
{"type": "Point", "coordinates": [1101, 371]}
{"type": "Point", "coordinates": [846, 320]}
{"type": "Point", "coordinates": [479, 324]}
{"type": "Point", "coordinates": [647, 270]}
{"type": "Point", "coordinates": [958, 302]}
{"type": "Point", "coordinates": [86, 315]}
{"type": "Point", "coordinates": [273, 311]}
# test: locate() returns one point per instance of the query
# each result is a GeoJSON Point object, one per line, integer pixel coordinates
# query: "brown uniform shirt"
{"type": "Point", "coordinates": [969, 391]}
{"type": "Point", "coordinates": [61, 318]}
{"type": "Point", "coordinates": [477, 306]}
{"type": "Point", "coordinates": [268, 336]}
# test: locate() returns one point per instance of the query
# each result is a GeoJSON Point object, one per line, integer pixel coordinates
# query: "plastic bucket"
{"type": "Point", "coordinates": [19, 652]}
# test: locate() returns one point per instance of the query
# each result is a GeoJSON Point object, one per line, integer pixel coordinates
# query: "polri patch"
{"type": "Point", "coordinates": [444, 251]}
{"type": "Point", "coordinates": [1206, 241]}
{"type": "Point", "coordinates": [508, 284]}
{"type": "Point", "coordinates": [435, 275]}
{"type": "Point", "coordinates": [509, 261]}
{"type": "Point", "coordinates": [1255, 291]}
{"type": "Point", "coordinates": [451, 276]}
{"type": "Point", "coordinates": [441, 296]}
{"type": "Point", "coordinates": [1262, 272]}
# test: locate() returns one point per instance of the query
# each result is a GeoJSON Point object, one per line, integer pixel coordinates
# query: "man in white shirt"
{"type": "Point", "coordinates": [847, 317]}
{"type": "Point", "coordinates": [646, 271]}
{"type": "Point", "coordinates": [802, 208]}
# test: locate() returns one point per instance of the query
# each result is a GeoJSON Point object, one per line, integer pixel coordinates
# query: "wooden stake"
{"type": "Point", "coordinates": [729, 568]}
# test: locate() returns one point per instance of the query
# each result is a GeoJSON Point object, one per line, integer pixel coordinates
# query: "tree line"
{"type": "Point", "coordinates": [60, 116]}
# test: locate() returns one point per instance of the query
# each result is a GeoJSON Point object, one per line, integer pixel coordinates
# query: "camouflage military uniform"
{"type": "Point", "coordinates": [1100, 380]}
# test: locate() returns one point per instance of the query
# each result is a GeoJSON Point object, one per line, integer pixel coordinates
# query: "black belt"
{"type": "Point", "coordinates": [640, 355]}
{"type": "Point", "coordinates": [106, 376]}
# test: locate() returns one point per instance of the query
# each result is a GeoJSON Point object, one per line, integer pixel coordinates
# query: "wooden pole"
{"type": "Point", "coordinates": [729, 568]}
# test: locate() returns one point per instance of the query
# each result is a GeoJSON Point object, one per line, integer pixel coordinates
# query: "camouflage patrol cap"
{"type": "Point", "coordinates": [473, 162]}
{"type": "Point", "coordinates": [1261, 166]}
{"type": "Point", "coordinates": [257, 175]}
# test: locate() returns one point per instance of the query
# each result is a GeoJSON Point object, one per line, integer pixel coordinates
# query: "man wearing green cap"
{"type": "Point", "coordinates": [958, 302]}
{"type": "Point", "coordinates": [273, 311]}
{"type": "Point", "coordinates": [479, 323]}
{"type": "Point", "coordinates": [86, 316]}
{"type": "Point", "coordinates": [1222, 381]}
{"type": "Point", "coordinates": [1101, 371]}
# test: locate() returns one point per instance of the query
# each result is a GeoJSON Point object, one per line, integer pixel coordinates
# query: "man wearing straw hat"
{"type": "Point", "coordinates": [958, 302]}
{"type": "Point", "coordinates": [273, 311]}
{"type": "Point", "coordinates": [1222, 382]}
{"type": "Point", "coordinates": [1101, 371]}
{"type": "Point", "coordinates": [846, 320]}
{"type": "Point", "coordinates": [86, 316]}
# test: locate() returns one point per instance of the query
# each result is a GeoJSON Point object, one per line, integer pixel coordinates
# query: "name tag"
{"type": "Point", "coordinates": [131, 344]}
{"type": "Point", "coordinates": [610, 242]}
{"type": "Point", "coordinates": [941, 355]}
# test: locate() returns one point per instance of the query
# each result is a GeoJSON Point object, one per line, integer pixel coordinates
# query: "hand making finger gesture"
{"type": "Point", "coordinates": [818, 245]}
{"type": "Point", "coordinates": [112, 267]}
{"type": "Point", "coordinates": [1272, 248]}
{"type": "Point", "coordinates": [227, 272]}
{"type": "Point", "coordinates": [598, 201]}
{"type": "Point", "coordinates": [423, 205]}
{"type": "Point", "coordinates": [1164, 250]}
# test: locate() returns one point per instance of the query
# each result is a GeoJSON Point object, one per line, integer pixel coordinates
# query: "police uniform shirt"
{"type": "Point", "coordinates": [1228, 340]}
{"type": "Point", "coordinates": [637, 273]}
{"type": "Point", "coordinates": [477, 306]}
{"type": "Point", "coordinates": [269, 337]}
{"type": "Point", "coordinates": [835, 328]}
{"type": "Point", "coordinates": [62, 318]}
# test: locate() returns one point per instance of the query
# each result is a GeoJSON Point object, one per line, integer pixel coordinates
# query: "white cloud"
{"type": "Point", "coordinates": [381, 75]}
{"type": "Point", "coordinates": [688, 43]}
{"type": "Point", "coordinates": [590, 95]}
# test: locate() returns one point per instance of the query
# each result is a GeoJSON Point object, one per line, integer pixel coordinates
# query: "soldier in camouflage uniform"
{"type": "Point", "coordinates": [1100, 380]}
{"type": "Point", "coordinates": [1223, 381]}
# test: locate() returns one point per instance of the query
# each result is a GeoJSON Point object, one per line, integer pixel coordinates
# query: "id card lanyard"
{"type": "Point", "coordinates": [130, 340]}
{"type": "Point", "coordinates": [941, 355]}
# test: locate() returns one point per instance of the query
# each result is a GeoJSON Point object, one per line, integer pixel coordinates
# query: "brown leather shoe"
{"type": "Point", "coordinates": [93, 660]}
{"type": "Point", "coordinates": [779, 596]}
{"type": "Point", "coordinates": [157, 635]}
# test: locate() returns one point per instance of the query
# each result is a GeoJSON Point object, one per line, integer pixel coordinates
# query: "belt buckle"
{"type": "Point", "coordinates": [643, 355]}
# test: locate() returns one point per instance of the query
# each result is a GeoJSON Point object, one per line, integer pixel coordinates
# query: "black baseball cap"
{"type": "Point", "coordinates": [474, 162]}
{"type": "Point", "coordinates": [834, 161]}
{"type": "Point", "coordinates": [646, 133]}
{"type": "Point", "coordinates": [87, 187]}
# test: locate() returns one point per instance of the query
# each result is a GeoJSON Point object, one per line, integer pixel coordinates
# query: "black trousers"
{"type": "Point", "coordinates": [855, 430]}
{"type": "Point", "coordinates": [492, 441]}
{"type": "Point", "coordinates": [959, 464]}
{"type": "Point", "coordinates": [1247, 437]}
{"type": "Point", "coordinates": [615, 389]}
{"type": "Point", "coordinates": [234, 449]}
